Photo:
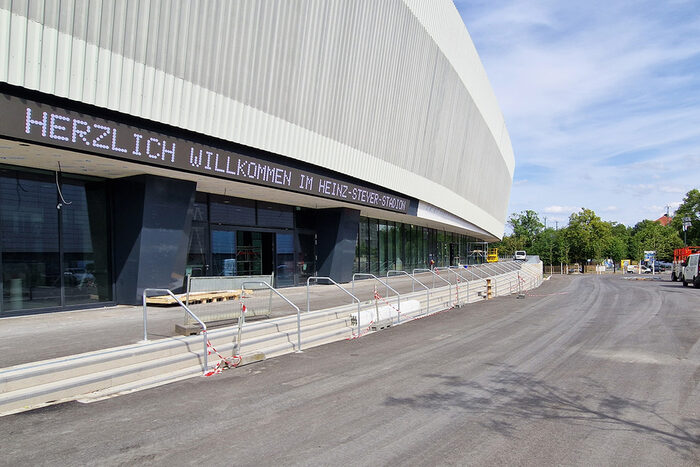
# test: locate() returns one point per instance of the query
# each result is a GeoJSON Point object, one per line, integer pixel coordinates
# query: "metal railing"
{"type": "Point", "coordinates": [199, 321]}
{"type": "Point", "coordinates": [458, 268]}
{"type": "Point", "coordinates": [286, 300]}
{"type": "Point", "coordinates": [427, 289]}
{"type": "Point", "coordinates": [413, 273]}
{"type": "Point", "coordinates": [388, 287]}
{"type": "Point", "coordinates": [213, 284]}
{"type": "Point", "coordinates": [449, 284]}
{"type": "Point", "coordinates": [316, 279]}
{"type": "Point", "coordinates": [449, 270]}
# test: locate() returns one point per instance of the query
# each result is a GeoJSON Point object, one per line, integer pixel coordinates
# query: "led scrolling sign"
{"type": "Point", "coordinates": [33, 121]}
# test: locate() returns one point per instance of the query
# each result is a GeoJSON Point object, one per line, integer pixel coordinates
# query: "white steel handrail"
{"type": "Point", "coordinates": [199, 321]}
{"type": "Point", "coordinates": [458, 268]}
{"type": "Point", "coordinates": [427, 289]}
{"type": "Point", "coordinates": [272, 289]}
{"type": "Point", "coordinates": [316, 279]}
{"type": "Point", "coordinates": [457, 276]}
{"type": "Point", "coordinates": [449, 284]}
{"type": "Point", "coordinates": [388, 287]}
{"type": "Point", "coordinates": [424, 270]}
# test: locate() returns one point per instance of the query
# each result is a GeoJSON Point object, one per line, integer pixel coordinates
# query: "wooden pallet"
{"type": "Point", "coordinates": [197, 297]}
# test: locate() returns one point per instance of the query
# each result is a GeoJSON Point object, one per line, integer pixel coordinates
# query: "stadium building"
{"type": "Point", "coordinates": [143, 141]}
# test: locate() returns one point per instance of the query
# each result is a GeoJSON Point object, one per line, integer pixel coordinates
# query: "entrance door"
{"type": "Point", "coordinates": [306, 257]}
{"type": "Point", "coordinates": [242, 252]}
{"type": "Point", "coordinates": [454, 255]}
{"type": "Point", "coordinates": [284, 270]}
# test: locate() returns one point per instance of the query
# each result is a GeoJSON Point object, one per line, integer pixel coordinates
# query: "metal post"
{"type": "Point", "coordinates": [272, 289]}
{"type": "Point", "coordinates": [179, 302]}
{"type": "Point", "coordinates": [316, 278]}
{"type": "Point", "coordinates": [398, 295]}
{"type": "Point", "coordinates": [396, 272]}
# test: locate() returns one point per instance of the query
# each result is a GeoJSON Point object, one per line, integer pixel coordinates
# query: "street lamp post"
{"type": "Point", "coordinates": [686, 226]}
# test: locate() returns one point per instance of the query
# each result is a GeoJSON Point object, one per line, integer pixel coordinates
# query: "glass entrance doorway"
{"type": "Point", "coordinates": [306, 256]}
{"type": "Point", "coordinates": [242, 252]}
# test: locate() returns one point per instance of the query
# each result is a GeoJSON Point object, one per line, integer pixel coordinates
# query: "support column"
{"type": "Point", "coordinates": [152, 223]}
{"type": "Point", "coordinates": [337, 236]}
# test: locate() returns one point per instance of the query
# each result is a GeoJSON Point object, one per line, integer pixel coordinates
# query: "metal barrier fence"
{"type": "Point", "coordinates": [462, 286]}
{"type": "Point", "coordinates": [221, 309]}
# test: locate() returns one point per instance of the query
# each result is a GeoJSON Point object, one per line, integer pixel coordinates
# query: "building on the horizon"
{"type": "Point", "coordinates": [664, 220]}
{"type": "Point", "coordinates": [144, 141]}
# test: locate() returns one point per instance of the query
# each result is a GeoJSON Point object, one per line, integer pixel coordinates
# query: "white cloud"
{"type": "Point", "coordinates": [559, 209]}
{"type": "Point", "coordinates": [605, 94]}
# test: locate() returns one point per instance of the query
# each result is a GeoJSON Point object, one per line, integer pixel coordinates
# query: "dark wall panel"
{"type": "Point", "coordinates": [337, 237]}
{"type": "Point", "coordinates": [153, 218]}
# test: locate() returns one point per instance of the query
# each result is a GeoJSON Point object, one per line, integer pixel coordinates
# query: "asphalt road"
{"type": "Point", "coordinates": [594, 370]}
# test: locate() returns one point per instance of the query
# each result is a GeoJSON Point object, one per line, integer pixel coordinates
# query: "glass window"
{"type": "Point", "coordinates": [223, 252]}
{"type": "Point", "coordinates": [363, 239]}
{"type": "Point", "coordinates": [231, 211]}
{"type": "Point", "coordinates": [275, 215]}
{"type": "Point", "coordinates": [390, 248]}
{"type": "Point", "coordinates": [305, 218]}
{"type": "Point", "coordinates": [200, 211]}
{"type": "Point", "coordinates": [426, 250]}
{"type": "Point", "coordinates": [198, 250]}
{"type": "Point", "coordinates": [383, 253]}
{"type": "Point", "coordinates": [87, 267]}
{"type": "Point", "coordinates": [249, 253]}
{"type": "Point", "coordinates": [373, 247]}
{"type": "Point", "coordinates": [414, 245]}
{"type": "Point", "coordinates": [284, 262]}
{"type": "Point", "coordinates": [31, 271]}
{"type": "Point", "coordinates": [399, 244]}
{"type": "Point", "coordinates": [306, 256]}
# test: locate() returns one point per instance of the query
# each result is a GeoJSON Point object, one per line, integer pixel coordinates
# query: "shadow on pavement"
{"type": "Point", "coordinates": [512, 395]}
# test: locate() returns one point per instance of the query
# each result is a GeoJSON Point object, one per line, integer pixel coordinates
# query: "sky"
{"type": "Point", "coordinates": [601, 100]}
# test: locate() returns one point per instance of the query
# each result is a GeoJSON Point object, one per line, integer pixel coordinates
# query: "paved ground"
{"type": "Point", "coordinates": [39, 337]}
{"type": "Point", "coordinates": [594, 370]}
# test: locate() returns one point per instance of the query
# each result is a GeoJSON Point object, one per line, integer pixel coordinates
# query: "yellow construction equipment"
{"type": "Point", "coordinates": [492, 256]}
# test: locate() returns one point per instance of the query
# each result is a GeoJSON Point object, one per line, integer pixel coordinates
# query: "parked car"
{"type": "Point", "coordinates": [691, 271]}
{"type": "Point", "coordinates": [520, 255]}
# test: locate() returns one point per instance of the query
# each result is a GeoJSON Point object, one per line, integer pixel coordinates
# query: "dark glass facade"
{"type": "Point", "coordinates": [237, 237]}
{"type": "Point", "coordinates": [58, 249]}
{"type": "Point", "coordinates": [55, 247]}
{"type": "Point", "coordinates": [386, 245]}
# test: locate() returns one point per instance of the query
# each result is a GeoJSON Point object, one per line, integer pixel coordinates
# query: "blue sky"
{"type": "Point", "coordinates": [601, 100]}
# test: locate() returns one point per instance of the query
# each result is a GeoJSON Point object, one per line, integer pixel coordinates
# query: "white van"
{"type": "Point", "coordinates": [691, 272]}
{"type": "Point", "coordinates": [520, 255]}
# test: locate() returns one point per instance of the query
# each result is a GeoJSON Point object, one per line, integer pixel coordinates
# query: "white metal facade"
{"type": "Point", "coordinates": [387, 91]}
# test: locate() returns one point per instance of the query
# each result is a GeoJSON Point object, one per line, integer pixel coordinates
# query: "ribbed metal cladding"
{"type": "Point", "coordinates": [318, 80]}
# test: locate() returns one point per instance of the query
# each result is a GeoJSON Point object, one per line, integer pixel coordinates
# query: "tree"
{"type": "Point", "coordinates": [652, 236]}
{"type": "Point", "coordinates": [617, 247]}
{"type": "Point", "coordinates": [587, 236]}
{"type": "Point", "coordinates": [546, 245]}
{"type": "Point", "coordinates": [689, 208]}
{"type": "Point", "coordinates": [526, 226]}
{"type": "Point", "coordinates": [509, 245]}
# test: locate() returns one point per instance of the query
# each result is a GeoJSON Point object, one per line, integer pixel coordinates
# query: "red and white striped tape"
{"type": "Point", "coordinates": [224, 362]}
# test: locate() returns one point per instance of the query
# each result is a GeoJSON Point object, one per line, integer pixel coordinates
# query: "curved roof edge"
{"type": "Point", "coordinates": [443, 23]}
